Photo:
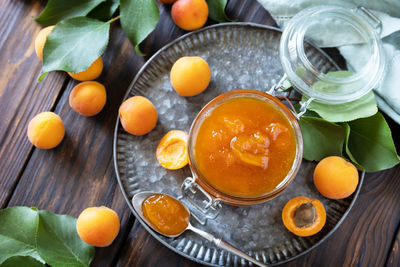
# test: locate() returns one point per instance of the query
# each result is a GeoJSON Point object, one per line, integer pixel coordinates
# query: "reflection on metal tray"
{"type": "Point", "coordinates": [241, 56]}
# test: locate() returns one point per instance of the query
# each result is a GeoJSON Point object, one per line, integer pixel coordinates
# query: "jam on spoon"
{"type": "Point", "coordinates": [170, 217]}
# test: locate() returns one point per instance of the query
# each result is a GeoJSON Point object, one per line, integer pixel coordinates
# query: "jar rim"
{"type": "Point", "coordinates": [292, 54]}
{"type": "Point", "coordinates": [240, 200]}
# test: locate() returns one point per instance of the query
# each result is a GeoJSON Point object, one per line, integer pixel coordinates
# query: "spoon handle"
{"type": "Point", "coordinates": [224, 245]}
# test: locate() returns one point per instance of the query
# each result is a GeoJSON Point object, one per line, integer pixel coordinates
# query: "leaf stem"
{"type": "Point", "coordinates": [113, 19]}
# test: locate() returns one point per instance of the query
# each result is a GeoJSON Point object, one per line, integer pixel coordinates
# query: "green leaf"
{"type": "Point", "coordinates": [18, 227]}
{"type": "Point", "coordinates": [105, 10]}
{"type": "Point", "coordinates": [360, 108]}
{"type": "Point", "coordinates": [75, 44]}
{"type": "Point", "coordinates": [330, 87]}
{"type": "Point", "coordinates": [57, 10]}
{"type": "Point", "coordinates": [321, 138]}
{"type": "Point", "coordinates": [58, 242]}
{"type": "Point", "coordinates": [370, 143]}
{"type": "Point", "coordinates": [21, 261]}
{"type": "Point", "coordinates": [216, 10]}
{"type": "Point", "coordinates": [348, 152]}
{"type": "Point", "coordinates": [138, 19]}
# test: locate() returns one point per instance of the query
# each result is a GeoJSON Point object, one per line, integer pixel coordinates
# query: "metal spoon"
{"type": "Point", "coordinates": [137, 201]}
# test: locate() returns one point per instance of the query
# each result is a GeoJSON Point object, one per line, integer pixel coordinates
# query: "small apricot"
{"type": "Point", "coordinates": [138, 115]}
{"type": "Point", "coordinates": [172, 152]}
{"type": "Point", "coordinates": [92, 73]}
{"type": "Point", "coordinates": [88, 98]}
{"type": "Point", "coordinates": [98, 226]}
{"type": "Point", "coordinates": [335, 177]}
{"type": "Point", "coordinates": [304, 216]}
{"type": "Point", "coordinates": [41, 40]}
{"type": "Point", "coordinates": [190, 76]}
{"type": "Point", "coordinates": [190, 14]}
{"type": "Point", "coordinates": [46, 130]}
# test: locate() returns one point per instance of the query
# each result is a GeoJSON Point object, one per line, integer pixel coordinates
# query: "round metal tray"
{"type": "Point", "coordinates": [241, 56]}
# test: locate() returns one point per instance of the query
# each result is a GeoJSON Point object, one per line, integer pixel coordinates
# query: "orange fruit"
{"type": "Point", "coordinates": [304, 216]}
{"type": "Point", "coordinates": [41, 40]}
{"type": "Point", "coordinates": [46, 130]}
{"type": "Point", "coordinates": [138, 115]}
{"type": "Point", "coordinates": [190, 76]}
{"type": "Point", "coordinates": [335, 177]}
{"type": "Point", "coordinates": [88, 98]}
{"type": "Point", "coordinates": [172, 151]}
{"type": "Point", "coordinates": [98, 226]}
{"type": "Point", "coordinates": [92, 73]}
{"type": "Point", "coordinates": [190, 14]}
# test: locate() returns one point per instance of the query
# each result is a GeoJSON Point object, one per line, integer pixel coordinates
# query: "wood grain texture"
{"type": "Point", "coordinates": [21, 97]}
{"type": "Point", "coordinates": [80, 173]}
{"type": "Point", "coordinates": [142, 249]}
{"type": "Point", "coordinates": [394, 255]}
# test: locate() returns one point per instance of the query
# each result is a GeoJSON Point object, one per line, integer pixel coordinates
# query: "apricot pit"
{"type": "Point", "coordinates": [304, 216]}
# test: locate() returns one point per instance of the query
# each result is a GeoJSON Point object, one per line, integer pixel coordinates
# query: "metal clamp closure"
{"type": "Point", "coordinates": [200, 203]}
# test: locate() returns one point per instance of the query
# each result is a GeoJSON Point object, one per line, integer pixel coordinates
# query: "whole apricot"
{"type": "Point", "coordinates": [335, 177]}
{"type": "Point", "coordinates": [92, 73]}
{"type": "Point", "coordinates": [46, 130]}
{"type": "Point", "coordinates": [138, 115]}
{"type": "Point", "coordinates": [190, 14]}
{"type": "Point", "coordinates": [88, 98]}
{"type": "Point", "coordinates": [98, 226]}
{"type": "Point", "coordinates": [41, 40]}
{"type": "Point", "coordinates": [190, 75]}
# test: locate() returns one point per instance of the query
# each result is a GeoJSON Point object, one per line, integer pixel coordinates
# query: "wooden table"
{"type": "Point", "coordinates": [79, 173]}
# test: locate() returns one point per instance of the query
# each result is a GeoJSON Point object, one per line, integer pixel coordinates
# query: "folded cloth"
{"type": "Point", "coordinates": [388, 11]}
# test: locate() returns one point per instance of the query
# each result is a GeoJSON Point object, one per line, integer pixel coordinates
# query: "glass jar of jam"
{"type": "Point", "coordinates": [245, 147]}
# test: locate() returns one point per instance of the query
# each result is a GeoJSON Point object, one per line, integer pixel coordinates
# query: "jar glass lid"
{"type": "Point", "coordinates": [346, 26]}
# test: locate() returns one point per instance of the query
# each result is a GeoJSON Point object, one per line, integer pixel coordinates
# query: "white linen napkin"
{"type": "Point", "coordinates": [388, 11]}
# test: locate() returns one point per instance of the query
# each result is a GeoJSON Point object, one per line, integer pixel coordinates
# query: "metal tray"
{"type": "Point", "coordinates": [241, 56]}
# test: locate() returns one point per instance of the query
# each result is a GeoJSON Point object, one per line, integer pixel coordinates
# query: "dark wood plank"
{"type": "Point", "coordinates": [79, 172]}
{"type": "Point", "coordinates": [394, 256]}
{"type": "Point", "coordinates": [142, 249]}
{"type": "Point", "coordinates": [21, 97]}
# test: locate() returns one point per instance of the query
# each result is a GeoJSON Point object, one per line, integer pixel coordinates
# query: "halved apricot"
{"type": "Point", "coordinates": [172, 152]}
{"type": "Point", "coordinates": [304, 216]}
{"type": "Point", "coordinates": [252, 149]}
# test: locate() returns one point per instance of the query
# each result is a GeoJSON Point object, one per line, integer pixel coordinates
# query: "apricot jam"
{"type": "Point", "coordinates": [166, 214]}
{"type": "Point", "coordinates": [245, 147]}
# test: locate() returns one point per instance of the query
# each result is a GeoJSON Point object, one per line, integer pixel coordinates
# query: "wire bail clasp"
{"type": "Point", "coordinates": [201, 204]}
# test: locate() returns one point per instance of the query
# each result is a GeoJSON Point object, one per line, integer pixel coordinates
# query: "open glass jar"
{"type": "Point", "coordinates": [239, 160]}
{"type": "Point", "coordinates": [299, 69]}
{"type": "Point", "coordinates": [346, 26]}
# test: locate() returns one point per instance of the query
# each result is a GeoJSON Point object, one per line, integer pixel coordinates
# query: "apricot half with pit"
{"type": "Point", "coordinates": [304, 216]}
